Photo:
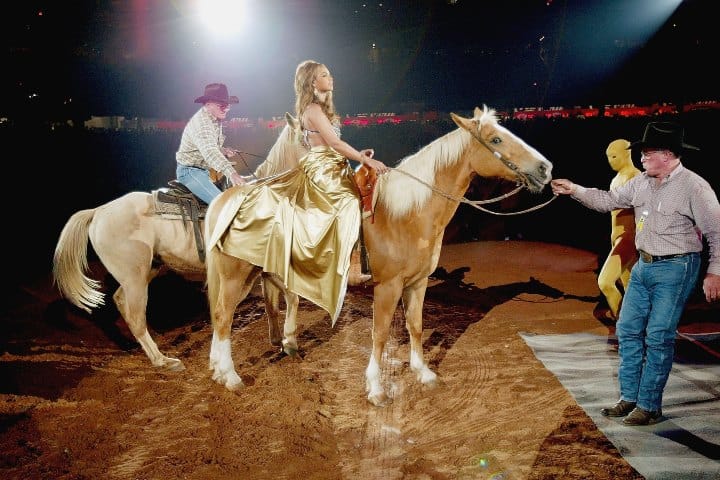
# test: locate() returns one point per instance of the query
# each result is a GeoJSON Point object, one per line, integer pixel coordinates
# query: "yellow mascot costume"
{"type": "Point", "coordinates": [616, 269]}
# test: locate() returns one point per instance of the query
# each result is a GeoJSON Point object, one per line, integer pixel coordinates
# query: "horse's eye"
{"type": "Point", "coordinates": [496, 140]}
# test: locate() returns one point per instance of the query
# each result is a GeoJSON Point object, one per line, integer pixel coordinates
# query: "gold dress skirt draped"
{"type": "Point", "coordinates": [301, 225]}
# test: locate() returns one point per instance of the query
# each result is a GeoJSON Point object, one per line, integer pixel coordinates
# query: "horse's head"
{"type": "Point", "coordinates": [512, 158]}
{"type": "Point", "coordinates": [286, 152]}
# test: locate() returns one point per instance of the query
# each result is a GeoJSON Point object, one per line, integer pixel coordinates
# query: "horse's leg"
{"type": "Point", "coordinates": [131, 265]}
{"type": "Point", "coordinates": [290, 344]}
{"type": "Point", "coordinates": [229, 282]}
{"type": "Point", "coordinates": [131, 302]}
{"type": "Point", "coordinates": [272, 286]}
{"type": "Point", "coordinates": [413, 299]}
{"type": "Point", "coordinates": [271, 294]}
{"type": "Point", "coordinates": [385, 299]}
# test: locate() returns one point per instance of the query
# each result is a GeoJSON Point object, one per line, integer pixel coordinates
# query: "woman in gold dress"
{"type": "Point", "coordinates": [303, 225]}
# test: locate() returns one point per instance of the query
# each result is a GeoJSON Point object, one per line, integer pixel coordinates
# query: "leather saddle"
{"type": "Point", "coordinates": [177, 199]}
{"type": "Point", "coordinates": [366, 179]}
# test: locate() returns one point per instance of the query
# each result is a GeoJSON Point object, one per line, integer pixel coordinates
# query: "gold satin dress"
{"type": "Point", "coordinates": [301, 225]}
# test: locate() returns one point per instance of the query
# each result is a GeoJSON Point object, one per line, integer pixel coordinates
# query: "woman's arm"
{"type": "Point", "coordinates": [316, 120]}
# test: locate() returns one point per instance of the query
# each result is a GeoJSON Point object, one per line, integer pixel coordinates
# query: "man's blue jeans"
{"type": "Point", "coordinates": [649, 316]}
{"type": "Point", "coordinates": [198, 181]}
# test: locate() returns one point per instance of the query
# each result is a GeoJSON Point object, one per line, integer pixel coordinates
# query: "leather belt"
{"type": "Point", "coordinates": [647, 258]}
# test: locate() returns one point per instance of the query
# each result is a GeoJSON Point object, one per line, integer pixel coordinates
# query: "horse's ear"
{"type": "Point", "coordinates": [292, 121]}
{"type": "Point", "coordinates": [478, 112]}
{"type": "Point", "coordinates": [462, 122]}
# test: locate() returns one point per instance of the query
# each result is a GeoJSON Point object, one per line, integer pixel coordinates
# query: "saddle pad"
{"type": "Point", "coordinates": [173, 209]}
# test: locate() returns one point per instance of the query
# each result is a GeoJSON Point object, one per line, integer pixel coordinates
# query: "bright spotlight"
{"type": "Point", "coordinates": [223, 18]}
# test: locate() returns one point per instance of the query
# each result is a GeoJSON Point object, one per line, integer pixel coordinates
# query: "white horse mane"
{"type": "Point", "coordinates": [283, 155]}
{"type": "Point", "coordinates": [401, 194]}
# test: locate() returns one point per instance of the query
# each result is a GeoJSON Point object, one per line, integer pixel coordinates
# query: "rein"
{"type": "Point", "coordinates": [477, 203]}
{"type": "Point", "coordinates": [240, 154]}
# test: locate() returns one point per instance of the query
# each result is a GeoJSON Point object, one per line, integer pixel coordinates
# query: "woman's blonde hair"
{"type": "Point", "coordinates": [305, 92]}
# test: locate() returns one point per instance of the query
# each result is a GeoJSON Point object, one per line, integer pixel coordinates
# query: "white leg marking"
{"type": "Point", "coordinates": [376, 394]}
{"type": "Point", "coordinates": [424, 374]}
{"type": "Point", "coordinates": [221, 361]}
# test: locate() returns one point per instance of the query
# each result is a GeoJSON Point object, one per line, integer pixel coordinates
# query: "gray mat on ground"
{"type": "Point", "coordinates": [686, 445]}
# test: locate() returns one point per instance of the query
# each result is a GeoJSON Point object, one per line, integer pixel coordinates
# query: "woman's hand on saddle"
{"type": "Point", "coordinates": [228, 152]}
{"type": "Point", "coordinates": [376, 165]}
{"type": "Point", "coordinates": [562, 186]}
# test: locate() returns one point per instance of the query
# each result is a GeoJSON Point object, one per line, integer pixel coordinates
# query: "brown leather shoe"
{"type": "Point", "coordinates": [641, 416]}
{"type": "Point", "coordinates": [620, 409]}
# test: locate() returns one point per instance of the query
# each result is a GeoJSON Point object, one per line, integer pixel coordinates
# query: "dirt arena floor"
{"type": "Point", "coordinates": [80, 400]}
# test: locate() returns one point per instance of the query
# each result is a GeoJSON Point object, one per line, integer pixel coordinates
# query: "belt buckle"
{"type": "Point", "coordinates": [646, 257]}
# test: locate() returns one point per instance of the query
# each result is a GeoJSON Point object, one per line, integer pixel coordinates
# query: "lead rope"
{"type": "Point", "coordinates": [477, 203]}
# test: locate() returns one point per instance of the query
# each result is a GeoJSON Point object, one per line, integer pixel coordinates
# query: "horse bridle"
{"type": "Point", "coordinates": [497, 154]}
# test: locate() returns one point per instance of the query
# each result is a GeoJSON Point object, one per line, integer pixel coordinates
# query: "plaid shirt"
{"type": "Point", "coordinates": [671, 217]}
{"type": "Point", "coordinates": [200, 144]}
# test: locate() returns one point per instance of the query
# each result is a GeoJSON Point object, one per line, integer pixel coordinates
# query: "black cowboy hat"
{"type": "Point", "coordinates": [216, 92]}
{"type": "Point", "coordinates": [663, 135]}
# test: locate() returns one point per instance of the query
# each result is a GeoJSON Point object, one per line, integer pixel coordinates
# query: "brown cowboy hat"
{"type": "Point", "coordinates": [663, 135]}
{"type": "Point", "coordinates": [216, 92]}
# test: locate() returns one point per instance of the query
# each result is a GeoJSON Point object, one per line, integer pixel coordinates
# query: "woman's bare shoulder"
{"type": "Point", "coordinates": [313, 111]}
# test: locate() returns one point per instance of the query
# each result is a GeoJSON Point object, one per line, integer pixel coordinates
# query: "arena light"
{"type": "Point", "coordinates": [223, 18]}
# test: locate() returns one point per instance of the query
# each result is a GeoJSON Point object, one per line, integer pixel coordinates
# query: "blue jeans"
{"type": "Point", "coordinates": [649, 316]}
{"type": "Point", "coordinates": [198, 181]}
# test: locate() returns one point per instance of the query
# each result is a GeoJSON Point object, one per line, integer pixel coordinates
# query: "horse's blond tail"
{"type": "Point", "coordinates": [70, 264]}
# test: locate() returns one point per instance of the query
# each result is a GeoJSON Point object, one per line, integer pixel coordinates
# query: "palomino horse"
{"type": "Point", "coordinates": [135, 244]}
{"type": "Point", "coordinates": [415, 203]}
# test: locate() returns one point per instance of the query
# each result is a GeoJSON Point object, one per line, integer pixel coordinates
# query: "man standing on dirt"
{"type": "Point", "coordinates": [674, 208]}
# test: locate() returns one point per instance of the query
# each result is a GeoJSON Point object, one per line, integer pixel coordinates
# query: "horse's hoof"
{"type": "Point", "coordinates": [289, 350]}
{"type": "Point", "coordinates": [427, 377]}
{"type": "Point", "coordinates": [380, 399]}
{"type": "Point", "coordinates": [231, 382]}
{"type": "Point", "coordinates": [431, 384]}
{"type": "Point", "coordinates": [290, 347]}
{"type": "Point", "coordinates": [174, 365]}
{"type": "Point", "coordinates": [235, 387]}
